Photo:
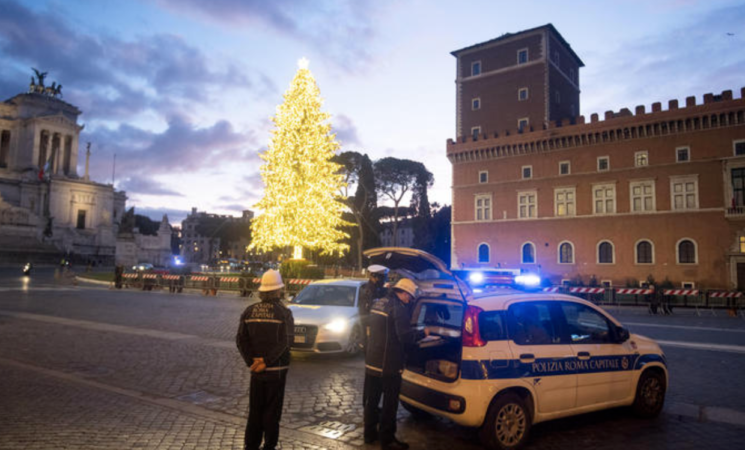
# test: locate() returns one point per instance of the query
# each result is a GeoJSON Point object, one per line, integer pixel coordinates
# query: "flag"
{"type": "Point", "coordinates": [46, 168]}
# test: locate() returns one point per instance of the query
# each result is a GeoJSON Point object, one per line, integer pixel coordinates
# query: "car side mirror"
{"type": "Point", "coordinates": [623, 334]}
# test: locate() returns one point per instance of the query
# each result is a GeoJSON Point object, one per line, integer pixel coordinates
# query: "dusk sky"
{"type": "Point", "coordinates": [183, 90]}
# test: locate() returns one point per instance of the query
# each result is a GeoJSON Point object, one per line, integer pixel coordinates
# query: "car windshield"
{"type": "Point", "coordinates": [326, 295]}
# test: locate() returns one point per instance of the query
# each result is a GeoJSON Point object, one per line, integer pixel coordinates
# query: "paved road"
{"type": "Point", "coordinates": [91, 368]}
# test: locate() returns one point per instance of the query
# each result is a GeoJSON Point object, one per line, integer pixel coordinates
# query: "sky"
{"type": "Point", "coordinates": [183, 91]}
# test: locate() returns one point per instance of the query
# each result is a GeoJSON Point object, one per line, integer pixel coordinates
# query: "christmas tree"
{"type": "Point", "coordinates": [301, 201]}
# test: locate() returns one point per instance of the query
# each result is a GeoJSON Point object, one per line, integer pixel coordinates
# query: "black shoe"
{"type": "Point", "coordinates": [395, 445]}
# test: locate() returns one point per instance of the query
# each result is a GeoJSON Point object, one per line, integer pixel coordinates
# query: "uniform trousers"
{"type": "Point", "coordinates": [381, 423]}
{"type": "Point", "coordinates": [265, 411]}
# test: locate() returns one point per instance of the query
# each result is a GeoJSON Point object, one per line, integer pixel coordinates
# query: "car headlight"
{"type": "Point", "coordinates": [337, 326]}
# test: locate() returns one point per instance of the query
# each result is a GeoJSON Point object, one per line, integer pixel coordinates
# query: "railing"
{"type": "Point", "coordinates": [735, 211]}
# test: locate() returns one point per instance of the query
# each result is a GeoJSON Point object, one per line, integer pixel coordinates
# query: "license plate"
{"type": "Point", "coordinates": [300, 339]}
{"type": "Point", "coordinates": [300, 330]}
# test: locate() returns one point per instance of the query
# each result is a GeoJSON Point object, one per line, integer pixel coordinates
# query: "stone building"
{"type": "Point", "coordinates": [200, 248]}
{"type": "Point", "coordinates": [657, 192]}
{"type": "Point", "coordinates": [134, 247]}
{"type": "Point", "coordinates": [46, 207]}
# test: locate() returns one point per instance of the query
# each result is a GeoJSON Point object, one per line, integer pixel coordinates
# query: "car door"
{"type": "Point", "coordinates": [542, 359]}
{"type": "Point", "coordinates": [604, 366]}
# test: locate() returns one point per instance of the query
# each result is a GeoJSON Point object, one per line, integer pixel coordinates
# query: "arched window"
{"type": "Point", "coordinates": [528, 253]}
{"type": "Point", "coordinates": [686, 252]}
{"type": "Point", "coordinates": [644, 252]}
{"type": "Point", "coordinates": [566, 253]}
{"type": "Point", "coordinates": [483, 253]}
{"type": "Point", "coordinates": [605, 253]}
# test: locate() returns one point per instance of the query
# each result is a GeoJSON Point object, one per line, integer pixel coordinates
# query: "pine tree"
{"type": "Point", "coordinates": [301, 204]}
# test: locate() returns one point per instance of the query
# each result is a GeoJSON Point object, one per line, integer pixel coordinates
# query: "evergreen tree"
{"type": "Point", "coordinates": [301, 204]}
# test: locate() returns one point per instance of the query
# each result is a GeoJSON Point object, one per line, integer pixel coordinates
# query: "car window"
{"type": "Point", "coordinates": [326, 295]}
{"type": "Point", "coordinates": [529, 323]}
{"type": "Point", "coordinates": [438, 313]}
{"type": "Point", "coordinates": [492, 326]}
{"type": "Point", "coordinates": [584, 325]}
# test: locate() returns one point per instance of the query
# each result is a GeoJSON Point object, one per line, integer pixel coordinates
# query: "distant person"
{"type": "Point", "coordinates": [118, 276]}
{"type": "Point", "coordinates": [390, 331]}
{"type": "Point", "coordinates": [372, 290]}
{"type": "Point", "coordinates": [264, 336]}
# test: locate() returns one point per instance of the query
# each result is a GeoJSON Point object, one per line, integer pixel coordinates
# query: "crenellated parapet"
{"type": "Point", "coordinates": [716, 111]}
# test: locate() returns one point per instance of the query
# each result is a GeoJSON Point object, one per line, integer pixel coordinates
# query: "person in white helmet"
{"type": "Point", "coordinates": [264, 336]}
{"type": "Point", "coordinates": [372, 290]}
{"type": "Point", "coordinates": [390, 331]}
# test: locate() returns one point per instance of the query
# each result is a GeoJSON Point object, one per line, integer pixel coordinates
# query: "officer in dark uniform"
{"type": "Point", "coordinates": [264, 336]}
{"type": "Point", "coordinates": [372, 290]}
{"type": "Point", "coordinates": [390, 331]}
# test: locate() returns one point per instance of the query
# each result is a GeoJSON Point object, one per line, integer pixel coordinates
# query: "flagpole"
{"type": "Point", "coordinates": [113, 171]}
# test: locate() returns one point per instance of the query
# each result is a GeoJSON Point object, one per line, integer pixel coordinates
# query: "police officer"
{"type": "Point", "coordinates": [264, 336]}
{"type": "Point", "coordinates": [373, 289]}
{"type": "Point", "coordinates": [390, 331]}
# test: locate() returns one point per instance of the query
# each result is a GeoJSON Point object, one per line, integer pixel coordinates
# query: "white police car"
{"type": "Point", "coordinates": [507, 359]}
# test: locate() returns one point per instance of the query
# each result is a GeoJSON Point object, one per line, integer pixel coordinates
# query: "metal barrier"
{"type": "Point", "coordinates": [295, 285]}
{"type": "Point", "coordinates": [175, 283]}
{"type": "Point", "coordinates": [130, 280]}
{"type": "Point", "coordinates": [198, 282]}
{"type": "Point", "coordinates": [149, 281]}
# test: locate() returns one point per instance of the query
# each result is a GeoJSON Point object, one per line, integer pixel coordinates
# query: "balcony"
{"type": "Point", "coordinates": [735, 212]}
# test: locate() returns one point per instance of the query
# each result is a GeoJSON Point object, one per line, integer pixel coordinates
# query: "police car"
{"type": "Point", "coordinates": [506, 359]}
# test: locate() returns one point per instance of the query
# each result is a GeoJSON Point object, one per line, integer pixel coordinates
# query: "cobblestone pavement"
{"type": "Point", "coordinates": [92, 368]}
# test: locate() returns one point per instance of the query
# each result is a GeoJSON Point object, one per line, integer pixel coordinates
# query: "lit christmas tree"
{"type": "Point", "coordinates": [301, 203]}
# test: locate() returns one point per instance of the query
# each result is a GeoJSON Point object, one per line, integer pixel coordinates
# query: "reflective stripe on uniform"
{"type": "Point", "coordinates": [373, 368]}
{"type": "Point", "coordinates": [277, 368]}
{"type": "Point", "coordinates": [380, 313]}
{"type": "Point", "coordinates": [263, 320]}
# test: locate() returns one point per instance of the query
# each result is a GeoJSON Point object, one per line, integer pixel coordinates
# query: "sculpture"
{"type": "Point", "coordinates": [40, 76]}
{"type": "Point", "coordinates": [37, 86]}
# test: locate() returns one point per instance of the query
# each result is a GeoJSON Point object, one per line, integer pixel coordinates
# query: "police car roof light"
{"type": "Point", "coordinates": [471, 334]}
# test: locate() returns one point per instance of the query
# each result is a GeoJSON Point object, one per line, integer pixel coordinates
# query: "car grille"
{"type": "Point", "coordinates": [309, 331]}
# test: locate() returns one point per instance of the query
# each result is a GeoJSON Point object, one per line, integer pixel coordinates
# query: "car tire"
{"type": "Point", "coordinates": [650, 394]}
{"type": "Point", "coordinates": [507, 423]}
{"type": "Point", "coordinates": [354, 344]}
{"type": "Point", "coordinates": [415, 412]}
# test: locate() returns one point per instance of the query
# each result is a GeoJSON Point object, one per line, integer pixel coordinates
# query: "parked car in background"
{"type": "Point", "coordinates": [143, 267]}
{"type": "Point", "coordinates": [507, 359]}
{"type": "Point", "coordinates": [326, 317]}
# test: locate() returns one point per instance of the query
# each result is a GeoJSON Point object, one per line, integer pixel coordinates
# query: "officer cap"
{"type": "Point", "coordinates": [377, 269]}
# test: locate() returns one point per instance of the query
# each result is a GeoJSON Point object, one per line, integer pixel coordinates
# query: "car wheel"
{"type": "Point", "coordinates": [354, 344]}
{"type": "Point", "coordinates": [650, 394]}
{"type": "Point", "coordinates": [507, 423]}
{"type": "Point", "coordinates": [415, 412]}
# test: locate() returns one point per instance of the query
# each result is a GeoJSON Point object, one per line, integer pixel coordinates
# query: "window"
{"type": "Point", "coordinates": [528, 253]}
{"type": "Point", "coordinates": [527, 172]}
{"type": "Point", "coordinates": [81, 219]}
{"type": "Point", "coordinates": [530, 323]}
{"type": "Point", "coordinates": [483, 253]}
{"type": "Point", "coordinates": [557, 96]}
{"type": "Point", "coordinates": [522, 124]}
{"type": "Point", "coordinates": [492, 326]}
{"type": "Point", "coordinates": [604, 198]}
{"type": "Point", "coordinates": [556, 57]}
{"type": "Point", "coordinates": [682, 154]}
{"type": "Point", "coordinates": [585, 325]}
{"type": "Point", "coordinates": [605, 253]}
{"type": "Point", "coordinates": [641, 159]}
{"type": "Point", "coordinates": [475, 132]}
{"type": "Point", "coordinates": [440, 314]}
{"type": "Point", "coordinates": [738, 187]}
{"type": "Point", "coordinates": [642, 196]}
{"type": "Point", "coordinates": [522, 94]}
{"type": "Point", "coordinates": [564, 168]}
{"type": "Point", "coordinates": [566, 253]}
{"type": "Point", "coordinates": [739, 147]}
{"type": "Point", "coordinates": [526, 205]}
{"type": "Point", "coordinates": [686, 252]}
{"type": "Point", "coordinates": [603, 163]}
{"type": "Point", "coordinates": [571, 74]}
{"type": "Point", "coordinates": [564, 203]}
{"type": "Point", "coordinates": [522, 56]}
{"type": "Point", "coordinates": [644, 252]}
{"type": "Point", "coordinates": [475, 68]}
{"type": "Point", "coordinates": [484, 176]}
{"type": "Point", "coordinates": [684, 192]}
{"type": "Point", "coordinates": [4, 148]}
{"type": "Point", "coordinates": [688, 285]}
{"type": "Point", "coordinates": [742, 244]}
{"type": "Point", "coordinates": [476, 103]}
{"type": "Point", "coordinates": [483, 207]}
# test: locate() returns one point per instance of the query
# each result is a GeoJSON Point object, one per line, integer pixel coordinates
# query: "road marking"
{"type": "Point", "coordinates": [683, 327]}
{"type": "Point", "coordinates": [36, 288]}
{"type": "Point", "coordinates": [182, 407]}
{"type": "Point", "coordinates": [704, 346]}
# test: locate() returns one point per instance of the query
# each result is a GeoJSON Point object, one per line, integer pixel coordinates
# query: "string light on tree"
{"type": "Point", "coordinates": [301, 203]}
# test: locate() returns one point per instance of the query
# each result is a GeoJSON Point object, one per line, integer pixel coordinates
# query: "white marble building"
{"type": "Point", "coordinates": [45, 206]}
{"type": "Point", "coordinates": [133, 248]}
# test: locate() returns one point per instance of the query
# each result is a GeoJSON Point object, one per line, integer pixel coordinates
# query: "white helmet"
{"type": "Point", "coordinates": [377, 269]}
{"type": "Point", "coordinates": [271, 281]}
{"type": "Point", "coordinates": [406, 285]}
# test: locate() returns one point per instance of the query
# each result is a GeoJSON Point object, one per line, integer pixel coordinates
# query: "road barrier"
{"type": "Point", "coordinates": [174, 283]}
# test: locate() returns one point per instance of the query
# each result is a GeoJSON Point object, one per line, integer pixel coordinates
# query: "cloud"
{"type": "Point", "coordinates": [175, 216]}
{"type": "Point", "coordinates": [181, 147]}
{"type": "Point", "coordinates": [115, 78]}
{"type": "Point", "coordinates": [145, 186]}
{"type": "Point", "coordinates": [658, 68]}
{"type": "Point", "coordinates": [327, 25]}
{"type": "Point", "coordinates": [346, 131]}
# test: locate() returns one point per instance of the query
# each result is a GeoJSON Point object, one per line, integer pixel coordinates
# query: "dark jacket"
{"type": "Point", "coordinates": [368, 294]}
{"type": "Point", "coordinates": [390, 333]}
{"type": "Point", "coordinates": [266, 331]}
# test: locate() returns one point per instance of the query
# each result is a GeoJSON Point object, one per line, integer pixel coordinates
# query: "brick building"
{"type": "Point", "coordinates": [658, 192]}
